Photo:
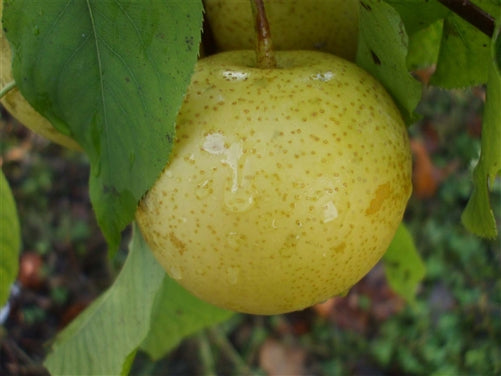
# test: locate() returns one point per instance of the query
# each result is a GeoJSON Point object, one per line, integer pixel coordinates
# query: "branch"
{"type": "Point", "coordinates": [473, 14]}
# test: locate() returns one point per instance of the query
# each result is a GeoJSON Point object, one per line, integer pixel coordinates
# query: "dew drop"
{"type": "Point", "coordinates": [232, 275]}
{"type": "Point", "coordinates": [330, 212]}
{"type": "Point", "coordinates": [274, 224]}
{"type": "Point", "coordinates": [214, 144]}
{"type": "Point", "coordinates": [234, 240]}
{"type": "Point", "coordinates": [202, 189]}
{"type": "Point", "coordinates": [235, 75]}
{"type": "Point", "coordinates": [220, 99]}
{"type": "Point", "coordinates": [237, 197]}
{"type": "Point", "coordinates": [175, 273]}
{"type": "Point", "coordinates": [233, 155]}
{"type": "Point", "coordinates": [323, 76]}
{"type": "Point", "coordinates": [238, 201]}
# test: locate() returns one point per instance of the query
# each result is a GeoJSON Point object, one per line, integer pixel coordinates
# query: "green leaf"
{"type": "Point", "coordinates": [418, 14]}
{"type": "Point", "coordinates": [478, 216]}
{"type": "Point", "coordinates": [463, 57]}
{"type": "Point", "coordinates": [382, 51]}
{"type": "Point", "coordinates": [177, 314]}
{"type": "Point", "coordinates": [403, 266]}
{"type": "Point", "coordinates": [104, 338]}
{"type": "Point", "coordinates": [112, 75]}
{"type": "Point", "coordinates": [10, 239]}
{"type": "Point", "coordinates": [463, 50]}
{"type": "Point", "coordinates": [424, 46]}
{"type": "Point", "coordinates": [497, 50]}
{"type": "Point", "coordinates": [127, 364]}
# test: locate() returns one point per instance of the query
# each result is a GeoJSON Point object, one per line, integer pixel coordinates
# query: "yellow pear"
{"type": "Point", "coordinates": [330, 26]}
{"type": "Point", "coordinates": [285, 186]}
{"type": "Point", "coordinates": [16, 104]}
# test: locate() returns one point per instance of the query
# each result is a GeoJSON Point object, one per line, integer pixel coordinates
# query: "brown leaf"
{"type": "Point", "coordinates": [424, 74]}
{"type": "Point", "coordinates": [16, 153]}
{"type": "Point", "coordinates": [424, 173]}
{"type": "Point", "coordinates": [371, 300]}
{"type": "Point", "coordinates": [384, 301]}
{"type": "Point", "coordinates": [431, 137]}
{"type": "Point", "coordinates": [324, 309]}
{"type": "Point", "coordinates": [348, 314]}
{"type": "Point", "coordinates": [426, 177]}
{"type": "Point", "coordinates": [31, 273]}
{"type": "Point", "coordinates": [277, 359]}
{"type": "Point", "coordinates": [474, 126]}
{"type": "Point", "coordinates": [72, 312]}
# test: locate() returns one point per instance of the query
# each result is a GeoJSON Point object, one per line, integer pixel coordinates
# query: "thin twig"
{"type": "Point", "coordinates": [205, 353]}
{"type": "Point", "coordinates": [229, 351]}
{"type": "Point", "coordinates": [473, 14]}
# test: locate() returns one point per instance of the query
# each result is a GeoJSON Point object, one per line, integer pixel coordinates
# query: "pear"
{"type": "Point", "coordinates": [16, 104]}
{"type": "Point", "coordinates": [285, 186]}
{"type": "Point", "coordinates": [330, 26]}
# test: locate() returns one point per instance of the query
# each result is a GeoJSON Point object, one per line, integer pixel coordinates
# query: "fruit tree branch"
{"type": "Point", "coordinates": [473, 14]}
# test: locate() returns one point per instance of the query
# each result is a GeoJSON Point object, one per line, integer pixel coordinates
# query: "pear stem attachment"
{"type": "Point", "coordinates": [264, 47]}
{"type": "Point", "coordinates": [8, 87]}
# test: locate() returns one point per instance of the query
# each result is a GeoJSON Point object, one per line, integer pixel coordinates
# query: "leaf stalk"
{"type": "Point", "coordinates": [8, 87]}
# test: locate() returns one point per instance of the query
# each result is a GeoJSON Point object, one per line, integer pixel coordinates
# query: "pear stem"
{"type": "Point", "coordinates": [264, 47]}
{"type": "Point", "coordinates": [8, 87]}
